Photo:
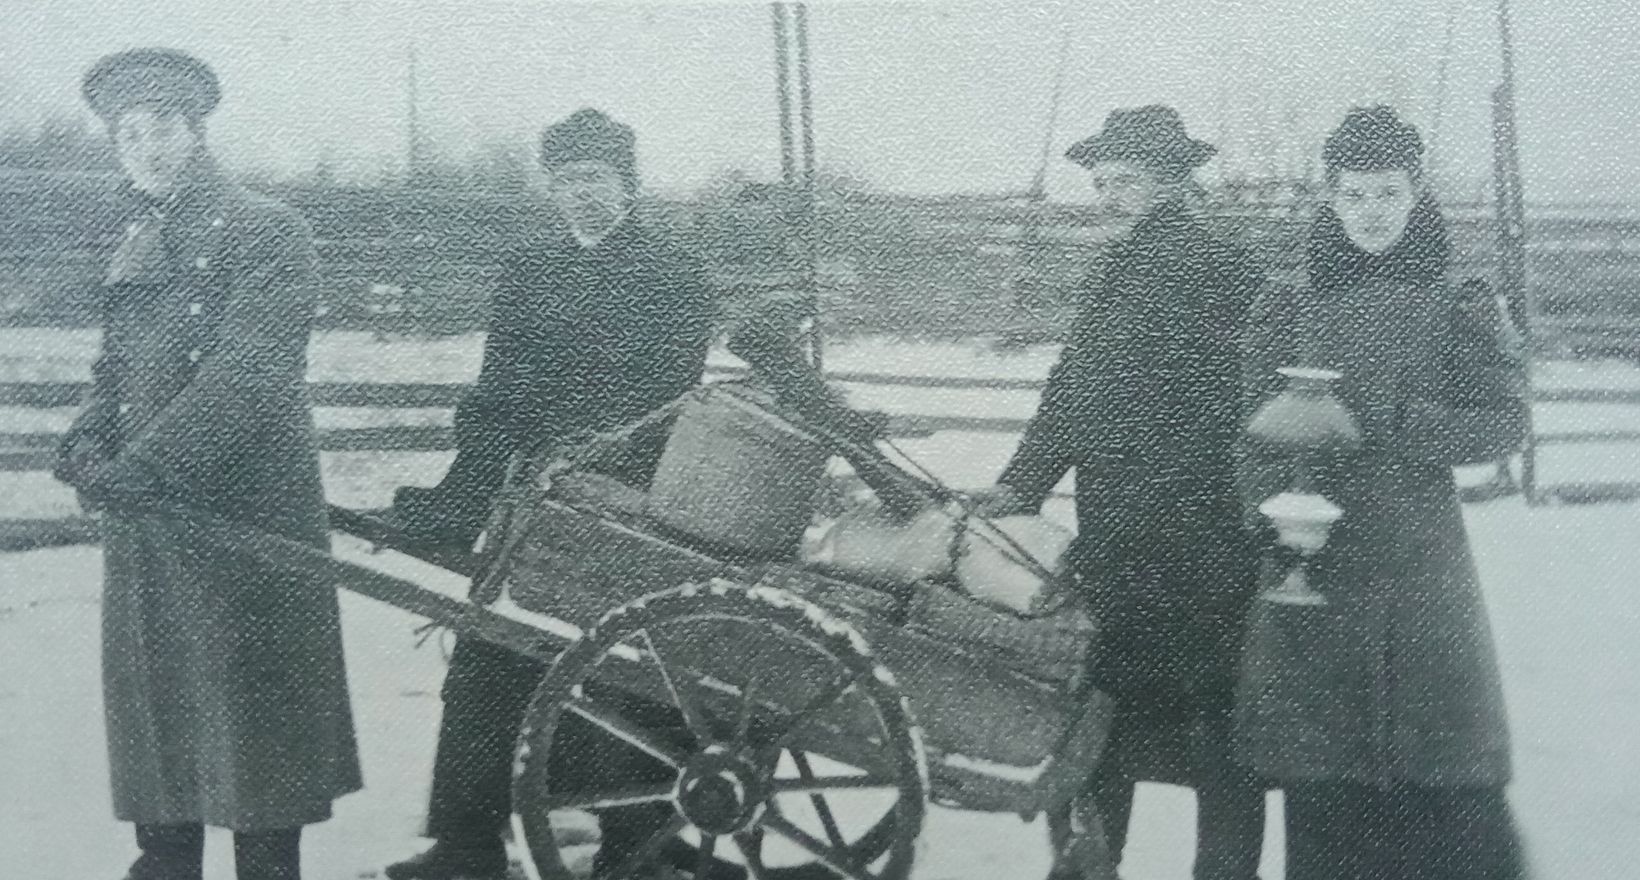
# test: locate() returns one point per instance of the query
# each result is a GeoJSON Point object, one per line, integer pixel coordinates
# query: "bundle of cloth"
{"type": "Point", "coordinates": [1014, 562]}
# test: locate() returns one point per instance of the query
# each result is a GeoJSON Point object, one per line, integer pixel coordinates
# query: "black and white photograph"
{"type": "Point", "coordinates": [647, 440]}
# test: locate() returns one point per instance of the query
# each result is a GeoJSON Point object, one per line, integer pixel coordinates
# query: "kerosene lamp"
{"type": "Point", "coordinates": [1305, 421]}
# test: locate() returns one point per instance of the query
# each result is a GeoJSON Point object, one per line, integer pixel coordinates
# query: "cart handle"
{"type": "Point", "coordinates": [310, 562]}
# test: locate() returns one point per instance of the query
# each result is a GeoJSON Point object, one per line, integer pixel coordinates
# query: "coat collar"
{"type": "Point", "coordinates": [620, 241]}
{"type": "Point", "coordinates": [203, 186]}
{"type": "Point", "coordinates": [591, 243]}
{"type": "Point", "coordinates": [201, 193]}
{"type": "Point", "coordinates": [1167, 221]}
{"type": "Point", "coordinates": [1168, 233]}
{"type": "Point", "coordinates": [160, 233]}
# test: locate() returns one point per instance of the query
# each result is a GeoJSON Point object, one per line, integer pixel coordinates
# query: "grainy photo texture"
{"type": "Point", "coordinates": [819, 441]}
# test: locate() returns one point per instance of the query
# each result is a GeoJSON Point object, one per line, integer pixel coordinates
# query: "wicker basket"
{"type": "Point", "coordinates": [1050, 648]}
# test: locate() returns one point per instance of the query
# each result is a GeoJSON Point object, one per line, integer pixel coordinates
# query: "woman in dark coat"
{"type": "Point", "coordinates": [223, 680]}
{"type": "Point", "coordinates": [1142, 404]}
{"type": "Point", "coordinates": [1381, 712]}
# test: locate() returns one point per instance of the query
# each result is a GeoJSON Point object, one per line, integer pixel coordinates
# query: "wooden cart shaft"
{"type": "Point", "coordinates": [998, 740]}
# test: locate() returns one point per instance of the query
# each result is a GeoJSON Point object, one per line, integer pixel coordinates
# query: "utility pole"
{"type": "Point", "coordinates": [1028, 277]}
{"type": "Point", "coordinates": [1039, 183]}
{"type": "Point", "coordinates": [414, 159]}
{"type": "Point", "coordinates": [1441, 88]}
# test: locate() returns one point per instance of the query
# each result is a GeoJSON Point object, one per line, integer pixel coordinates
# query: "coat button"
{"type": "Point", "coordinates": [193, 356]}
{"type": "Point", "coordinates": [194, 308]}
{"type": "Point", "coordinates": [216, 222]}
{"type": "Point", "coordinates": [201, 262]}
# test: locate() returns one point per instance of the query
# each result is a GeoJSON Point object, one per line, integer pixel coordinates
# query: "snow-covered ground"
{"type": "Point", "coordinates": [1561, 582]}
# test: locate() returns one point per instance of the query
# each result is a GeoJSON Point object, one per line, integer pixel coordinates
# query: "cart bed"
{"type": "Point", "coordinates": [973, 699]}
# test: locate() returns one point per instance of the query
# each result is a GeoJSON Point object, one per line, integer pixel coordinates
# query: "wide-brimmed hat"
{"type": "Point", "coordinates": [1152, 136]}
{"type": "Point", "coordinates": [1373, 139]}
{"type": "Point", "coordinates": [164, 78]}
{"type": "Point", "coordinates": [589, 135]}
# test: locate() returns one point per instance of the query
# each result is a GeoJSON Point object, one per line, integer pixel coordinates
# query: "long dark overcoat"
{"type": "Point", "coordinates": [580, 339]}
{"type": "Point", "coordinates": [1143, 405]}
{"type": "Point", "coordinates": [1395, 679]}
{"type": "Point", "coordinates": [224, 684]}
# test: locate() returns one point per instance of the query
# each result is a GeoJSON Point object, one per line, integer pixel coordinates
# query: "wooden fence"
{"type": "Point", "coordinates": [34, 451]}
{"type": "Point", "coordinates": [28, 451]}
{"type": "Point", "coordinates": [421, 261]}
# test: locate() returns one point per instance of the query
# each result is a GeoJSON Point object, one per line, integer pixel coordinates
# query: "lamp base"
{"type": "Point", "coordinates": [1294, 590]}
{"type": "Point", "coordinates": [1283, 597]}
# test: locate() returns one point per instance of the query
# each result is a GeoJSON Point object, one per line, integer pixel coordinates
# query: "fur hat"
{"type": "Point", "coordinates": [1373, 139]}
{"type": "Point", "coordinates": [589, 135]}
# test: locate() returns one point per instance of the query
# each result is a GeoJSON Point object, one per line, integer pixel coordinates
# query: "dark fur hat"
{"type": "Point", "coordinates": [1373, 139]}
{"type": "Point", "coordinates": [589, 135]}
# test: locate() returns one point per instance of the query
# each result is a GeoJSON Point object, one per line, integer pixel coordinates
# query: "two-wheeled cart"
{"type": "Point", "coordinates": [811, 718]}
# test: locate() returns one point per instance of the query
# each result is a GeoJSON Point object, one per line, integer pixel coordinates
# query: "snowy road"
{"type": "Point", "coordinates": [1562, 585]}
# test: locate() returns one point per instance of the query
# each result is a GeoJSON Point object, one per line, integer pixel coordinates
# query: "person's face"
{"type": "Point", "coordinates": [154, 149]}
{"type": "Point", "coordinates": [1123, 192]}
{"type": "Point", "coordinates": [1373, 206]}
{"type": "Point", "coordinates": [590, 195]}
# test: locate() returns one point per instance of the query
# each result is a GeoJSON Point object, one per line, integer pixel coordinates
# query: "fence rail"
{"type": "Point", "coordinates": [438, 395]}
{"type": "Point", "coordinates": [35, 450]}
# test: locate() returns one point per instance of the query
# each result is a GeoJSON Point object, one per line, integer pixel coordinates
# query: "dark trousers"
{"type": "Point", "coordinates": [487, 693]}
{"type": "Point", "coordinates": [1347, 831]}
{"type": "Point", "coordinates": [177, 852]}
{"type": "Point", "coordinates": [1229, 799]}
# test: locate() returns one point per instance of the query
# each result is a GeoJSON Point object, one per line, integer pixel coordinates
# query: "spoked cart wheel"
{"type": "Point", "coordinates": [758, 739]}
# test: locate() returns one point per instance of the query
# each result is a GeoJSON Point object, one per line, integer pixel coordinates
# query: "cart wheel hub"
{"type": "Point", "coordinates": [721, 793]}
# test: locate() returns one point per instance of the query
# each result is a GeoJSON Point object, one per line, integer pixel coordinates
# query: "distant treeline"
{"type": "Point", "coordinates": [58, 144]}
{"type": "Point", "coordinates": [423, 257]}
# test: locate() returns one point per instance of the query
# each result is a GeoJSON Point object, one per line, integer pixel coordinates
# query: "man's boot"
{"type": "Point", "coordinates": [268, 855]}
{"type": "Point", "coordinates": [624, 831]}
{"type": "Point", "coordinates": [169, 852]}
{"type": "Point", "coordinates": [446, 860]}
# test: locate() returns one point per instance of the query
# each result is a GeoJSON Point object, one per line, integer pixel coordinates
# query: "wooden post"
{"type": "Point", "coordinates": [1511, 220]}
{"type": "Point", "coordinates": [811, 254]}
{"type": "Point", "coordinates": [782, 73]}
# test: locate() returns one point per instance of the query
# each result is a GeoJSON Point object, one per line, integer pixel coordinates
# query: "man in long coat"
{"type": "Point", "coordinates": [1143, 405]}
{"type": "Point", "coordinates": [595, 326]}
{"type": "Point", "coordinates": [224, 683]}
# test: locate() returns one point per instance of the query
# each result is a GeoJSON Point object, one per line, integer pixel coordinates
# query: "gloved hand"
{"type": "Point", "coordinates": [861, 426]}
{"type": "Point", "coordinates": [76, 455]}
{"type": "Point", "coordinates": [999, 501]}
{"type": "Point", "coordinates": [100, 483]}
{"type": "Point", "coordinates": [436, 516]}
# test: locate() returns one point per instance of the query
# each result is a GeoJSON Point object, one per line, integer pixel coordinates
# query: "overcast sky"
{"type": "Point", "coordinates": [913, 97]}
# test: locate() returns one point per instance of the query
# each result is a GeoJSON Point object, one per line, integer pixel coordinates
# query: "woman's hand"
{"type": "Point", "coordinates": [76, 455]}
